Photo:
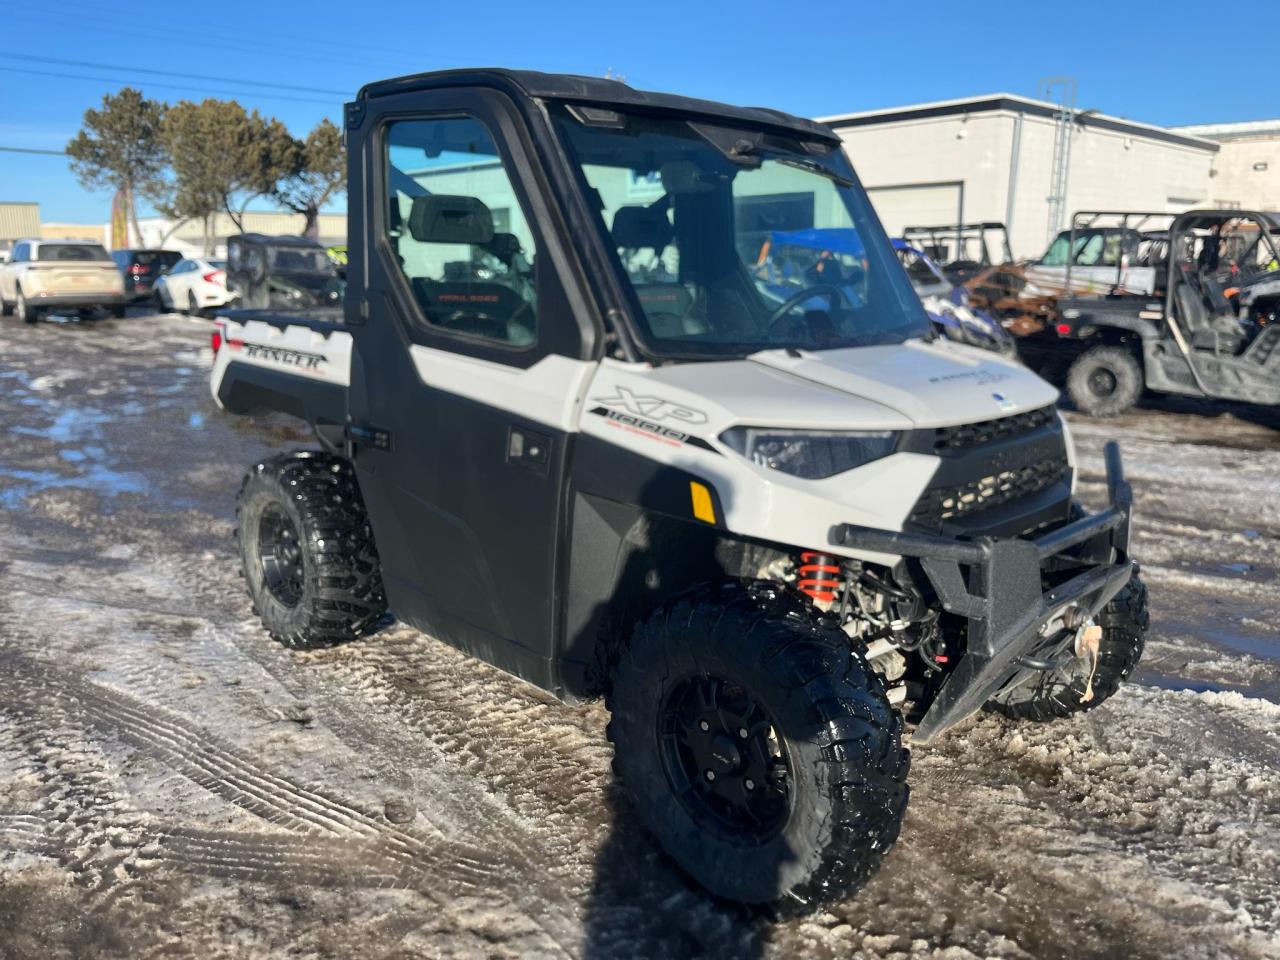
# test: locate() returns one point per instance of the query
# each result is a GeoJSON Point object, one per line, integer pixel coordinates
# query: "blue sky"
{"type": "Point", "coordinates": [1168, 63]}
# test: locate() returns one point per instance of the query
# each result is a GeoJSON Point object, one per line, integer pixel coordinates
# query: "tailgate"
{"type": "Point", "coordinates": [76, 278]}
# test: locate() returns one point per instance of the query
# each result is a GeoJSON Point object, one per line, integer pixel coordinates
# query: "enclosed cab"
{"type": "Point", "coordinates": [281, 273]}
{"type": "Point", "coordinates": [565, 425]}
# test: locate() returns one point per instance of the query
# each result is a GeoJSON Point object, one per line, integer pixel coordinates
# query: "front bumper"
{"type": "Point", "coordinates": [1003, 595]}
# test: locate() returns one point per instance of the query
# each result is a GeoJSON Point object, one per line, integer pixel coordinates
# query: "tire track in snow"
{"type": "Point", "coordinates": [449, 868]}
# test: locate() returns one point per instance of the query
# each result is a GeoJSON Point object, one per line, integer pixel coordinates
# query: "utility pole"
{"type": "Point", "coordinates": [1062, 92]}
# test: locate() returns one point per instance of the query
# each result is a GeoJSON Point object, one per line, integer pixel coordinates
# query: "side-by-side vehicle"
{"type": "Point", "coordinates": [566, 427]}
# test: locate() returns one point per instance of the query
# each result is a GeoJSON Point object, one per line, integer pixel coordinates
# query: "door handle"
{"type": "Point", "coordinates": [529, 449]}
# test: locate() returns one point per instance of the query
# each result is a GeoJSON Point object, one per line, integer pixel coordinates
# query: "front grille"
{"type": "Point", "coordinates": [947, 439]}
{"type": "Point", "coordinates": [940, 504]}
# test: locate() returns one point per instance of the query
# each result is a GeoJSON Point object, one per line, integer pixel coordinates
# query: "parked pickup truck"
{"type": "Point", "coordinates": [563, 427]}
{"type": "Point", "coordinates": [46, 275]}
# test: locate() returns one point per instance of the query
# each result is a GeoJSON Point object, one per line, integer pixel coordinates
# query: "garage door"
{"type": "Point", "coordinates": [917, 205]}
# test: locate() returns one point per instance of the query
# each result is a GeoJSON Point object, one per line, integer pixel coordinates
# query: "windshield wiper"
{"type": "Point", "coordinates": [813, 166]}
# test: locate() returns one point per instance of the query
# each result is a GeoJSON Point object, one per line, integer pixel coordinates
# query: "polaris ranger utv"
{"type": "Point", "coordinates": [563, 428]}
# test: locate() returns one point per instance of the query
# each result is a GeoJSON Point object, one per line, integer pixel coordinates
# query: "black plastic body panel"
{"type": "Point", "coordinates": [248, 388]}
{"type": "Point", "coordinates": [998, 585]}
{"type": "Point", "coordinates": [1045, 444]}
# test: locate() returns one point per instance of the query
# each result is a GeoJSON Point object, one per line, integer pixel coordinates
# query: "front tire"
{"type": "Point", "coordinates": [1059, 693]}
{"type": "Point", "coordinates": [307, 550]}
{"type": "Point", "coordinates": [1105, 381]}
{"type": "Point", "coordinates": [806, 804]}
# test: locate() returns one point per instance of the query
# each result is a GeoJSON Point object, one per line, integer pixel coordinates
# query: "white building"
{"type": "Point", "coordinates": [1247, 170]}
{"type": "Point", "coordinates": [991, 158]}
{"type": "Point", "coordinates": [188, 237]}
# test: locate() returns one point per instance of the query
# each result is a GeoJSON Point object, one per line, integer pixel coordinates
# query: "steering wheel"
{"type": "Point", "coordinates": [830, 290]}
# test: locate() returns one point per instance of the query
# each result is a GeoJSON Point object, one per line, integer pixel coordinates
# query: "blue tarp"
{"type": "Point", "coordinates": [829, 239]}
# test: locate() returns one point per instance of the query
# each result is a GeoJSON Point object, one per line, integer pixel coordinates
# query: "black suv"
{"type": "Point", "coordinates": [141, 268]}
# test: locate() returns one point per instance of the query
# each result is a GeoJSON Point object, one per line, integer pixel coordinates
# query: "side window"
{"type": "Point", "coordinates": [20, 253]}
{"type": "Point", "coordinates": [459, 232]}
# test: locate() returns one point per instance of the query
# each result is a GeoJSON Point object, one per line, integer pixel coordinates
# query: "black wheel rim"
{"type": "Point", "coordinates": [1102, 382]}
{"type": "Point", "coordinates": [280, 553]}
{"type": "Point", "coordinates": [724, 759]}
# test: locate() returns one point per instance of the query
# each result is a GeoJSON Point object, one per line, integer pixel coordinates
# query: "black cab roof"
{"type": "Point", "coordinates": [595, 90]}
{"type": "Point", "coordinates": [283, 240]}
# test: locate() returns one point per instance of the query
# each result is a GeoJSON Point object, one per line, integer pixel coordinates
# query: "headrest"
{"type": "Point", "coordinates": [638, 228]}
{"type": "Point", "coordinates": [439, 218]}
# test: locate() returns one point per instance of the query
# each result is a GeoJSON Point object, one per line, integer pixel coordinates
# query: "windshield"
{"type": "Point", "coordinates": [691, 210]}
{"type": "Point", "coordinates": [71, 251]}
{"type": "Point", "coordinates": [925, 275]}
{"type": "Point", "coordinates": [1093, 248]}
{"type": "Point", "coordinates": [151, 258]}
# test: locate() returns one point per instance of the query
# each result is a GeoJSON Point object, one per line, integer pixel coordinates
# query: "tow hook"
{"type": "Point", "coordinates": [1089, 647]}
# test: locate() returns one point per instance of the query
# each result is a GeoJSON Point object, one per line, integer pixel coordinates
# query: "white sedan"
{"type": "Point", "coordinates": [193, 286]}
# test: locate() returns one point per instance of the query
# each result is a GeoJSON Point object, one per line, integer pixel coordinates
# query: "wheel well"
{"type": "Point", "coordinates": [625, 562]}
{"type": "Point", "coordinates": [1113, 337]}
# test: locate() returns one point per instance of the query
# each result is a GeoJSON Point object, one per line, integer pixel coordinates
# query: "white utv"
{"type": "Point", "coordinates": [564, 428]}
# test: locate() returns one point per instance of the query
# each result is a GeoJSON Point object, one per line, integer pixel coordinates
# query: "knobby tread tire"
{"type": "Point", "coordinates": [343, 596]}
{"type": "Point", "coordinates": [844, 742]}
{"type": "Point", "coordinates": [1122, 364]}
{"type": "Point", "coordinates": [1124, 623]}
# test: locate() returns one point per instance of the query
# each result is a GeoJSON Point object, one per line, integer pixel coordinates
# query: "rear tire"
{"type": "Point", "coordinates": [1058, 694]}
{"type": "Point", "coordinates": [307, 550]}
{"type": "Point", "coordinates": [820, 824]}
{"type": "Point", "coordinates": [6, 308]}
{"type": "Point", "coordinates": [193, 306]}
{"type": "Point", "coordinates": [119, 310]}
{"type": "Point", "coordinates": [24, 311]}
{"type": "Point", "coordinates": [1105, 381]}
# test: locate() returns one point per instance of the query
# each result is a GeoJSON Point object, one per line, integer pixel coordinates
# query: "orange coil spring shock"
{"type": "Point", "coordinates": [819, 576]}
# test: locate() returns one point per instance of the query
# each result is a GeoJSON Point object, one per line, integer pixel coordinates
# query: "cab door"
{"type": "Point", "coordinates": [470, 363]}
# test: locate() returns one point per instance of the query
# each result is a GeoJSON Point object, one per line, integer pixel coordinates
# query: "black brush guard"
{"type": "Point", "coordinates": [1003, 595]}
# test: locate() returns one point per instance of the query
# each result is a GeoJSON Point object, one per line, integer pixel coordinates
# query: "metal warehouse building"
{"type": "Point", "coordinates": [18, 220]}
{"type": "Point", "coordinates": [188, 237]}
{"type": "Point", "coordinates": [993, 158]}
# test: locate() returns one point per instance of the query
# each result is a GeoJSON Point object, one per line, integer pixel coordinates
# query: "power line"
{"type": "Point", "coordinates": [47, 153]}
{"type": "Point", "coordinates": [154, 83]}
{"type": "Point", "coordinates": [168, 73]}
{"type": "Point", "coordinates": [312, 46]}
{"type": "Point", "coordinates": [274, 49]}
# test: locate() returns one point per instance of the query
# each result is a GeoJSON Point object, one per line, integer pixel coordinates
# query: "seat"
{"type": "Point", "coordinates": [642, 228]}
{"type": "Point", "coordinates": [1207, 330]}
{"type": "Point", "coordinates": [490, 310]}
{"type": "Point", "coordinates": [666, 305]}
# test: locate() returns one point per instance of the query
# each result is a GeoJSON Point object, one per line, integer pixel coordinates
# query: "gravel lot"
{"type": "Point", "coordinates": [172, 783]}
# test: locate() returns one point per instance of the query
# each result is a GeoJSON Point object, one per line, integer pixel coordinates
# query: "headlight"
{"type": "Point", "coordinates": [810, 454]}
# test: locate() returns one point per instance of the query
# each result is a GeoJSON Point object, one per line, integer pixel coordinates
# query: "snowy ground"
{"type": "Point", "coordinates": [174, 784]}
